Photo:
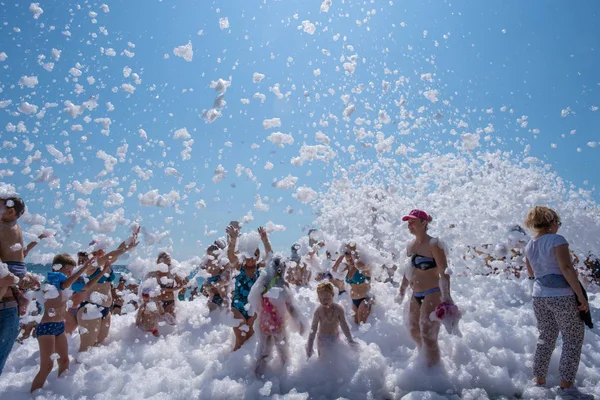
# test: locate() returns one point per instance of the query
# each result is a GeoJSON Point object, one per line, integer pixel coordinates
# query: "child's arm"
{"type": "Point", "coordinates": [344, 324]}
{"type": "Point", "coordinates": [313, 332]}
{"type": "Point", "coordinates": [75, 275]}
{"type": "Point", "coordinates": [34, 243]}
{"type": "Point", "coordinates": [265, 239]}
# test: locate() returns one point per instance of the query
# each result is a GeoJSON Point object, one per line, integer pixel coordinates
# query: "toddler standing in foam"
{"type": "Point", "coordinates": [271, 297]}
{"type": "Point", "coordinates": [558, 299]}
{"type": "Point", "coordinates": [329, 317]}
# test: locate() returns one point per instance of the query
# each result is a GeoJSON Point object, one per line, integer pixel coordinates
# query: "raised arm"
{"type": "Point", "coordinates": [337, 263]}
{"type": "Point", "coordinates": [232, 233]}
{"type": "Point", "coordinates": [566, 267]}
{"type": "Point", "coordinates": [264, 236]}
{"type": "Point", "coordinates": [123, 248]}
{"type": "Point", "coordinates": [442, 263]}
{"type": "Point", "coordinates": [34, 243]}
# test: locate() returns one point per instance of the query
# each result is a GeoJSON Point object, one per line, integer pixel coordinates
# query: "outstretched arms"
{"type": "Point", "coordinates": [123, 248]}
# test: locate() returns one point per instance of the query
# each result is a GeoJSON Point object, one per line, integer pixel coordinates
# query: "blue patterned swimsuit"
{"type": "Point", "coordinates": [243, 284]}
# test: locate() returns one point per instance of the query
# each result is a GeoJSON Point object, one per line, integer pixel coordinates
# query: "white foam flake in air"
{"type": "Point", "coordinates": [28, 81]}
{"type": "Point", "coordinates": [220, 174]}
{"type": "Point", "coordinates": [27, 108]}
{"type": "Point", "coordinates": [36, 10]}
{"type": "Point", "coordinates": [308, 27]}
{"type": "Point", "coordinates": [257, 77]}
{"type": "Point", "coordinates": [289, 182]}
{"type": "Point", "coordinates": [182, 134]}
{"type": "Point", "coordinates": [325, 5]}
{"type": "Point", "coordinates": [305, 194]}
{"type": "Point", "coordinates": [3, 56]}
{"type": "Point", "coordinates": [565, 112]}
{"type": "Point", "coordinates": [271, 123]}
{"type": "Point", "coordinates": [431, 95]}
{"type": "Point", "coordinates": [224, 23]}
{"type": "Point", "coordinates": [186, 52]}
{"type": "Point", "coordinates": [280, 139]}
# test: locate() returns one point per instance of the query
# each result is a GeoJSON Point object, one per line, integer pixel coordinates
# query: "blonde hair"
{"type": "Point", "coordinates": [540, 218]}
{"type": "Point", "coordinates": [63, 259]}
{"type": "Point", "coordinates": [325, 287]}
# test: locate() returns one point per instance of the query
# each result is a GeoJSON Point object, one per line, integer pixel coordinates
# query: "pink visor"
{"type": "Point", "coordinates": [416, 214]}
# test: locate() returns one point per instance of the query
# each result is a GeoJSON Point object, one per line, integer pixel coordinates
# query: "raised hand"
{"type": "Point", "coordinates": [232, 231]}
{"type": "Point", "coordinates": [262, 232]}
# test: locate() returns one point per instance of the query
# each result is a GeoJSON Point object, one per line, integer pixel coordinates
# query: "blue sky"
{"type": "Point", "coordinates": [534, 60]}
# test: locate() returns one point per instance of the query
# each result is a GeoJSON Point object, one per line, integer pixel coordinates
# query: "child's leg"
{"type": "Point", "coordinates": [62, 348]}
{"type": "Point", "coordinates": [46, 363]}
{"type": "Point", "coordinates": [88, 330]}
{"type": "Point", "coordinates": [282, 347]}
{"type": "Point", "coordinates": [265, 349]}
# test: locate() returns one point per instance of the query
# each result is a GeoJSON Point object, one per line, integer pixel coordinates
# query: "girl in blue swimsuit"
{"type": "Point", "coordinates": [248, 267]}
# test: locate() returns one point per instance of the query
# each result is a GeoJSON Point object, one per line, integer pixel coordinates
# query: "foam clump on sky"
{"type": "Point", "coordinates": [186, 52]}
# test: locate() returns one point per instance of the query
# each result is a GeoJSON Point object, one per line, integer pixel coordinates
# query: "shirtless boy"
{"type": "Point", "coordinates": [329, 317]}
{"type": "Point", "coordinates": [11, 254]}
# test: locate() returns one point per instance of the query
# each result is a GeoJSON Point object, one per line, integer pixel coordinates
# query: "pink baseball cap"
{"type": "Point", "coordinates": [417, 214]}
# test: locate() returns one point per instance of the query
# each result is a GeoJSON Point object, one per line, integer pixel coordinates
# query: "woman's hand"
{"type": "Point", "coordinates": [584, 305]}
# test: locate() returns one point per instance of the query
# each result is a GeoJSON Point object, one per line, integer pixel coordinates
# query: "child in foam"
{"type": "Point", "coordinates": [429, 281]}
{"type": "Point", "coordinates": [148, 314]}
{"type": "Point", "coordinates": [247, 265]}
{"type": "Point", "coordinates": [273, 300]}
{"type": "Point", "coordinates": [558, 299]}
{"type": "Point", "coordinates": [50, 331]}
{"type": "Point", "coordinates": [94, 315]}
{"type": "Point", "coordinates": [358, 276]}
{"type": "Point", "coordinates": [328, 318]}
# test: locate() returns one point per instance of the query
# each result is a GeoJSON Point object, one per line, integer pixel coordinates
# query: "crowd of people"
{"type": "Point", "coordinates": [257, 287]}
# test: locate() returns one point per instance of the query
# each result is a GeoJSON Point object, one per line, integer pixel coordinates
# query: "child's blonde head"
{"type": "Point", "coordinates": [64, 260]}
{"type": "Point", "coordinates": [541, 218]}
{"type": "Point", "coordinates": [325, 287]}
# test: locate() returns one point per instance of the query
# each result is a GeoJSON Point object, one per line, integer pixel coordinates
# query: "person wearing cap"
{"type": "Point", "coordinates": [429, 282]}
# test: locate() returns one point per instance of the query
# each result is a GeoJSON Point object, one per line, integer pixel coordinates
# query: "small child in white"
{"type": "Point", "coordinates": [327, 320]}
{"type": "Point", "coordinates": [273, 300]}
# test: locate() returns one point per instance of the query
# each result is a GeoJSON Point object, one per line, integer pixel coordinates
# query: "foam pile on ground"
{"type": "Point", "coordinates": [194, 359]}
